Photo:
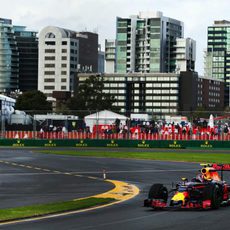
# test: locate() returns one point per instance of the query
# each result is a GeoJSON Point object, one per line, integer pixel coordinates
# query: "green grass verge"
{"type": "Point", "coordinates": [164, 156]}
{"type": "Point", "coordinates": [44, 209]}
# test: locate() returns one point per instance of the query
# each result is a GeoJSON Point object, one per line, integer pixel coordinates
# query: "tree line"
{"type": "Point", "coordinates": [88, 97]}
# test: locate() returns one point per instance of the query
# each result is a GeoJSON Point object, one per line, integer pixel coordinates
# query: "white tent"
{"type": "Point", "coordinates": [104, 117]}
{"type": "Point", "coordinates": [211, 121]}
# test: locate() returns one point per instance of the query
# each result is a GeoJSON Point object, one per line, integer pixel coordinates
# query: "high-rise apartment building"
{"type": "Point", "coordinates": [9, 57]}
{"type": "Point", "coordinates": [110, 55]}
{"type": "Point", "coordinates": [18, 58]}
{"type": "Point", "coordinates": [185, 51]}
{"type": "Point", "coordinates": [217, 55]}
{"type": "Point", "coordinates": [147, 42]}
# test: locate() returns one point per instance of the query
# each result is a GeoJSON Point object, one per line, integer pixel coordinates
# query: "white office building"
{"type": "Point", "coordinates": [58, 60]}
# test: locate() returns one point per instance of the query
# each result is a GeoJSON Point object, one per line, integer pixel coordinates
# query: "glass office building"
{"type": "Point", "coordinates": [27, 43]}
{"type": "Point", "coordinates": [18, 58]}
{"type": "Point", "coordinates": [217, 59]}
{"type": "Point", "coordinates": [9, 57]}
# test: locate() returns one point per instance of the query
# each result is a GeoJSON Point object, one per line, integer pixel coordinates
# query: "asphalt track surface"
{"type": "Point", "coordinates": [23, 181]}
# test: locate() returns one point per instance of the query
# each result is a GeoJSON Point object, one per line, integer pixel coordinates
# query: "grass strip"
{"type": "Point", "coordinates": [163, 156]}
{"type": "Point", "coordinates": [51, 208]}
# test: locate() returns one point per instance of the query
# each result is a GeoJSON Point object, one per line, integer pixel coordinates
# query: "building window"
{"type": "Point", "coordinates": [174, 85]}
{"type": "Point", "coordinates": [49, 50]}
{"type": "Point", "coordinates": [64, 50]}
{"type": "Point", "coordinates": [173, 98]}
{"type": "Point", "coordinates": [63, 72]}
{"type": "Point", "coordinates": [63, 87]}
{"type": "Point", "coordinates": [50, 43]}
{"type": "Point", "coordinates": [148, 85]}
{"type": "Point", "coordinates": [49, 87]}
{"type": "Point", "coordinates": [50, 35]}
{"type": "Point", "coordinates": [64, 65]}
{"type": "Point", "coordinates": [49, 65]}
{"type": "Point", "coordinates": [63, 58]}
{"type": "Point", "coordinates": [63, 80]}
{"type": "Point", "coordinates": [156, 98]}
{"type": "Point", "coordinates": [49, 58]}
{"type": "Point", "coordinates": [165, 97]}
{"type": "Point", "coordinates": [49, 80]}
{"type": "Point", "coordinates": [64, 43]}
{"type": "Point", "coordinates": [173, 91]}
{"type": "Point", "coordinates": [49, 73]}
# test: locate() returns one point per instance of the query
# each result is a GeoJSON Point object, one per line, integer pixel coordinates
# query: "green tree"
{"type": "Point", "coordinates": [33, 102]}
{"type": "Point", "coordinates": [90, 97]}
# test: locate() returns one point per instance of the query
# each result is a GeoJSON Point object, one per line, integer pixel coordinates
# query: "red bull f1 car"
{"type": "Point", "coordinates": [207, 190]}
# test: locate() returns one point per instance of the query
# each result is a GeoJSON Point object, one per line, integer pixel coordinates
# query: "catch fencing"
{"type": "Point", "coordinates": [115, 136]}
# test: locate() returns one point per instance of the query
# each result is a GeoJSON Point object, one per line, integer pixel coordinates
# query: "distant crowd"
{"type": "Point", "coordinates": [198, 128]}
{"type": "Point", "coordinates": [134, 128]}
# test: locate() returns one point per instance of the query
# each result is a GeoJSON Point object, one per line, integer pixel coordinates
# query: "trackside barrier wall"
{"type": "Point", "coordinates": [174, 144]}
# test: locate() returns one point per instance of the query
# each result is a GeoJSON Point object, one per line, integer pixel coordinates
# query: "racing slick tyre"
{"type": "Point", "coordinates": [213, 192]}
{"type": "Point", "coordinates": [158, 191]}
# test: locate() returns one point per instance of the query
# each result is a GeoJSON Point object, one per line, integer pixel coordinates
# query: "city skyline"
{"type": "Point", "coordinates": [100, 16]}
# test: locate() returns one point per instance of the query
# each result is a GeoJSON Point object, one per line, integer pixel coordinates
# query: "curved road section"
{"type": "Point", "coordinates": [121, 192]}
{"type": "Point", "coordinates": [19, 167]}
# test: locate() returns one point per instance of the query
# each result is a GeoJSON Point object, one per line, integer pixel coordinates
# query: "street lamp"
{"type": "Point", "coordinates": [3, 105]}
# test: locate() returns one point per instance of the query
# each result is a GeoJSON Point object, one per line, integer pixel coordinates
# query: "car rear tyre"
{"type": "Point", "coordinates": [158, 191]}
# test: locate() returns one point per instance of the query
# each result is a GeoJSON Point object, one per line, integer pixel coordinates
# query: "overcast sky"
{"type": "Point", "coordinates": [100, 15]}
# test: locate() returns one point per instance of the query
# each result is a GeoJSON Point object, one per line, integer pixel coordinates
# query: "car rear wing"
{"type": "Point", "coordinates": [221, 167]}
{"type": "Point", "coordinates": [217, 167]}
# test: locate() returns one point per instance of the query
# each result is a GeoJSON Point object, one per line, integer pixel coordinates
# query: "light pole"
{"type": "Point", "coordinates": [1, 123]}
{"type": "Point", "coordinates": [3, 105]}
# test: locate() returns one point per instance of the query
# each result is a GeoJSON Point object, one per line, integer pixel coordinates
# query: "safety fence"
{"type": "Point", "coordinates": [115, 136]}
